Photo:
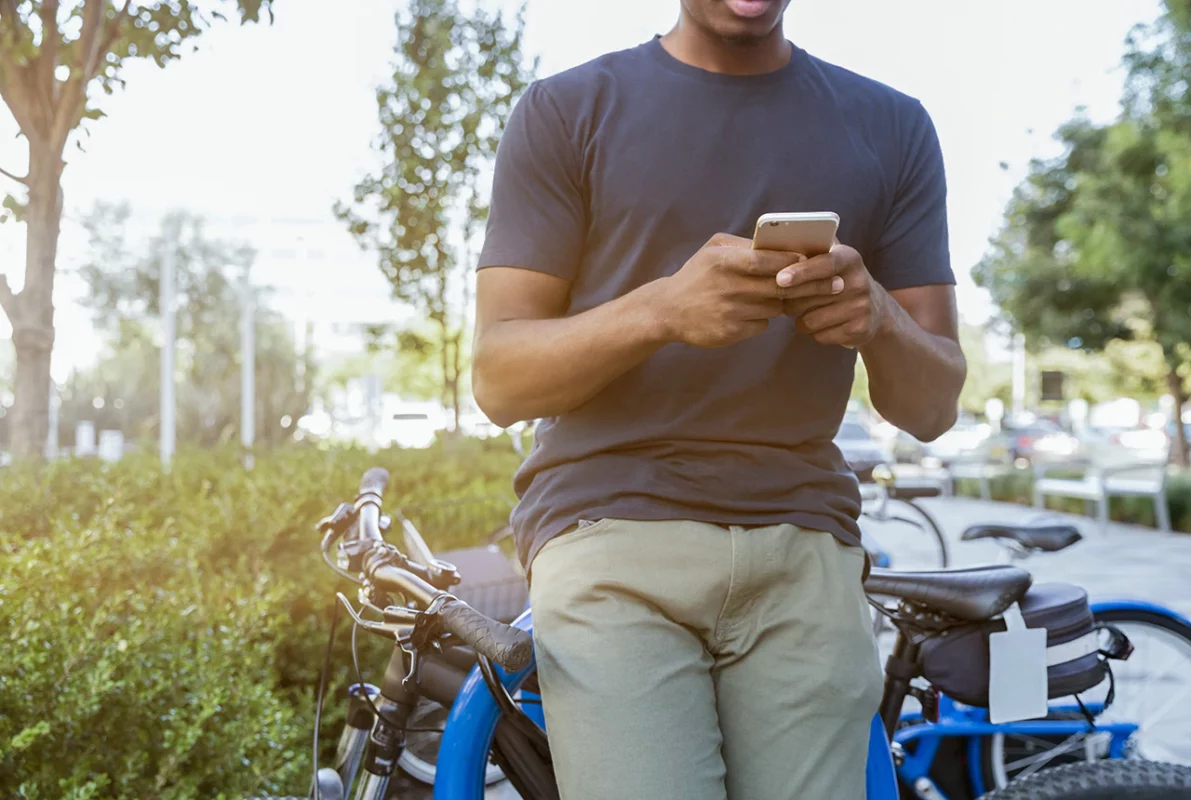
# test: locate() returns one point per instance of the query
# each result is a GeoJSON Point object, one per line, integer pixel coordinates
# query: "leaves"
{"type": "Point", "coordinates": [455, 78]}
{"type": "Point", "coordinates": [167, 630]}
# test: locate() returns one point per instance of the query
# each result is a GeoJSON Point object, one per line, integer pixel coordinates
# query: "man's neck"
{"type": "Point", "coordinates": [700, 48]}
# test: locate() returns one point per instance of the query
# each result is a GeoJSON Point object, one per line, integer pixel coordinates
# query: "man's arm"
{"type": "Point", "coordinates": [532, 361]}
{"type": "Point", "coordinates": [916, 368]}
{"type": "Point", "coordinates": [908, 338]}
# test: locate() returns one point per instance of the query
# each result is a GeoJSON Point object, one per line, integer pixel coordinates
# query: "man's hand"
{"type": "Point", "coordinates": [850, 316]}
{"type": "Point", "coordinates": [726, 292]}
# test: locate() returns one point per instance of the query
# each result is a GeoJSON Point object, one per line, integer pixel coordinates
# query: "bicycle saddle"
{"type": "Point", "coordinates": [973, 595]}
{"type": "Point", "coordinates": [1049, 538]}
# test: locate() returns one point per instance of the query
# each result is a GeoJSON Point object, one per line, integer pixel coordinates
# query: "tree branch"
{"type": "Point", "coordinates": [8, 300]}
{"type": "Point", "coordinates": [18, 179]}
{"type": "Point", "coordinates": [51, 41]}
{"type": "Point", "coordinates": [113, 30]}
{"type": "Point", "coordinates": [14, 89]}
{"type": "Point", "coordinates": [94, 42]}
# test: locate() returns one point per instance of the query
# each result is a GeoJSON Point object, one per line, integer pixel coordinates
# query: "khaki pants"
{"type": "Point", "coordinates": [691, 661]}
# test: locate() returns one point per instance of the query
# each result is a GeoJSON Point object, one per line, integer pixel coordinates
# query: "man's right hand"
{"type": "Point", "coordinates": [727, 292]}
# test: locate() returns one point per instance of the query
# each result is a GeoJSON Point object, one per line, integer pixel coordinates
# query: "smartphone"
{"type": "Point", "coordinates": [810, 233]}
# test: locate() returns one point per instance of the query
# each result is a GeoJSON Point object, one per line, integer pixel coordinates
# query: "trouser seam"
{"type": "Point", "coordinates": [717, 635]}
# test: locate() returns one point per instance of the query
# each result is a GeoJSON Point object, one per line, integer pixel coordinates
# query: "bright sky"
{"type": "Point", "coordinates": [265, 127]}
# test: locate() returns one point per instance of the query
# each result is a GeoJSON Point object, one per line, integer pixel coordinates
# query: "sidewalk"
{"type": "Point", "coordinates": [1126, 561]}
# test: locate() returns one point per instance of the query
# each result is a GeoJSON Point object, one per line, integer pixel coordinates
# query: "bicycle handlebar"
{"type": "Point", "coordinates": [505, 645]}
{"type": "Point", "coordinates": [374, 482]}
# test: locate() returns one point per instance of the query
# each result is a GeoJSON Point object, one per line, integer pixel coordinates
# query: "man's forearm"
{"type": "Point", "coordinates": [915, 376]}
{"type": "Point", "coordinates": [532, 368]}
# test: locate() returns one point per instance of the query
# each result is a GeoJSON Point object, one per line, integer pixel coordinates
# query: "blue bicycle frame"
{"type": "Point", "coordinates": [463, 753]}
{"type": "Point", "coordinates": [972, 725]}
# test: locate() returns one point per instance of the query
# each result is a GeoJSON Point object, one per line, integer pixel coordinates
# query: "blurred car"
{"type": "Point", "coordinates": [1118, 446]}
{"type": "Point", "coordinates": [961, 440]}
{"type": "Point", "coordinates": [860, 449]}
{"type": "Point", "coordinates": [1040, 440]}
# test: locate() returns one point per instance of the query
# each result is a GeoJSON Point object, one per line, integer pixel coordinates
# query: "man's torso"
{"type": "Point", "coordinates": [669, 155]}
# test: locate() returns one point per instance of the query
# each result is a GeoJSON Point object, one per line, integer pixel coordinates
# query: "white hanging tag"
{"type": "Point", "coordinates": [1017, 685]}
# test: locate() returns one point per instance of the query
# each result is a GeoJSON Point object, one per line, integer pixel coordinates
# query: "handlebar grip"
{"type": "Point", "coordinates": [374, 481]}
{"type": "Point", "coordinates": [913, 492]}
{"type": "Point", "coordinates": [511, 648]}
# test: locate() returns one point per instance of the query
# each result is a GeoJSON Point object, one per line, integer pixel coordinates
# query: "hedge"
{"type": "Point", "coordinates": [1018, 487]}
{"type": "Point", "coordinates": [161, 635]}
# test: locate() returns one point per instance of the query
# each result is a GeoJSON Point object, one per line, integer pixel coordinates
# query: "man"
{"type": "Point", "coordinates": [690, 528]}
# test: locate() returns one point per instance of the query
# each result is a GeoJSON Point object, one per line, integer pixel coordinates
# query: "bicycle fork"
{"type": "Point", "coordinates": [369, 747]}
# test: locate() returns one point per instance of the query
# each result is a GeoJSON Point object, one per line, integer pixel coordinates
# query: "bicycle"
{"type": "Point", "coordinates": [1101, 728]}
{"type": "Point", "coordinates": [484, 670]}
{"type": "Point", "coordinates": [1161, 638]}
{"type": "Point", "coordinates": [883, 501]}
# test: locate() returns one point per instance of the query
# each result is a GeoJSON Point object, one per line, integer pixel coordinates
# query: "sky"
{"type": "Point", "coordinates": [265, 127]}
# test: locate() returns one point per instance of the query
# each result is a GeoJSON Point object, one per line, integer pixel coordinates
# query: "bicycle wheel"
{"type": "Point", "coordinates": [1153, 690]}
{"type": "Point", "coordinates": [1106, 780]}
{"type": "Point", "coordinates": [419, 759]}
{"type": "Point", "coordinates": [907, 540]}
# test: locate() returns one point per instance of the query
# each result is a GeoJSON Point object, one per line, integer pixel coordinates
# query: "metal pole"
{"type": "Point", "coordinates": [1019, 374]}
{"type": "Point", "coordinates": [247, 367]}
{"type": "Point", "coordinates": [168, 415]}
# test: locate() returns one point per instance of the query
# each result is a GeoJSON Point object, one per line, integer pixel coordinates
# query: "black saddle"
{"type": "Point", "coordinates": [973, 595]}
{"type": "Point", "coordinates": [1049, 538]}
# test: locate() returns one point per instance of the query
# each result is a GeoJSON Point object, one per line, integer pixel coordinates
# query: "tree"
{"type": "Point", "coordinates": [53, 56]}
{"type": "Point", "coordinates": [123, 293]}
{"type": "Point", "coordinates": [455, 79]}
{"type": "Point", "coordinates": [1097, 245]}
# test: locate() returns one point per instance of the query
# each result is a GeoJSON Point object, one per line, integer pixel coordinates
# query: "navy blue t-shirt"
{"type": "Point", "coordinates": [614, 173]}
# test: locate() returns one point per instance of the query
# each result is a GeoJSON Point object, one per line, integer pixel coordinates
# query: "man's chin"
{"type": "Point", "coordinates": [746, 21]}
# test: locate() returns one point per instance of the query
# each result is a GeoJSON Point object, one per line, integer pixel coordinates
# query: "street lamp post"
{"type": "Point", "coordinates": [168, 416]}
{"type": "Point", "coordinates": [247, 368]}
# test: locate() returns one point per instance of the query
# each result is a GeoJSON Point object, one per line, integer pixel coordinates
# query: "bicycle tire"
{"type": "Point", "coordinates": [993, 748]}
{"type": "Point", "coordinates": [1103, 780]}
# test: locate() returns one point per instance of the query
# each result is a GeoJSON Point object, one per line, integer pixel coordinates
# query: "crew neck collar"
{"type": "Point", "coordinates": [663, 57]}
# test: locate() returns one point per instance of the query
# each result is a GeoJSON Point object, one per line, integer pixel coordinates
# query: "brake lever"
{"type": "Point", "coordinates": [339, 520]}
{"type": "Point", "coordinates": [394, 630]}
{"type": "Point", "coordinates": [426, 634]}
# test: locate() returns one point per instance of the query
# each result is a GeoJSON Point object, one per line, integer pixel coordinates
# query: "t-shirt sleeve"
{"type": "Point", "coordinates": [913, 248]}
{"type": "Point", "coordinates": [537, 219]}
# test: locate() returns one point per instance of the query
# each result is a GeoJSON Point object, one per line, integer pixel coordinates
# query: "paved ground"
{"type": "Point", "coordinates": [1122, 562]}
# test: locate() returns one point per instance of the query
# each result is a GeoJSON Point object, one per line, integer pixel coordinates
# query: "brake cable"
{"type": "Point", "coordinates": [322, 689]}
{"type": "Point", "coordinates": [509, 708]}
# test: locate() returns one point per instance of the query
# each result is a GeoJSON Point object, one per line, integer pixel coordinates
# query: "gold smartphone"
{"type": "Point", "coordinates": [810, 233]}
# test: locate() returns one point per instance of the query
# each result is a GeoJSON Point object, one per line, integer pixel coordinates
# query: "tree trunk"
{"type": "Point", "coordinates": [1178, 452]}
{"type": "Point", "coordinates": [32, 315]}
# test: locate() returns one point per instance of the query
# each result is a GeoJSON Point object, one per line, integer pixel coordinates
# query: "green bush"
{"type": "Point", "coordinates": [162, 634]}
{"type": "Point", "coordinates": [1018, 487]}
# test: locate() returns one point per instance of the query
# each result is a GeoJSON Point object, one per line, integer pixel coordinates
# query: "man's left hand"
{"type": "Point", "coordinates": [849, 318]}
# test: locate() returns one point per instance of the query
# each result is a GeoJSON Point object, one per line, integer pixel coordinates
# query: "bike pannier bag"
{"type": "Point", "coordinates": [955, 661]}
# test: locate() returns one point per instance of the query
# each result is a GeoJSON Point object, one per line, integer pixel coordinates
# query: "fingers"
{"type": "Point", "coordinates": [799, 306]}
{"type": "Point", "coordinates": [827, 287]}
{"type": "Point", "coordinates": [825, 316]}
{"type": "Point", "coordinates": [844, 335]}
{"type": "Point", "coordinates": [840, 260]}
{"type": "Point", "coordinates": [819, 268]}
